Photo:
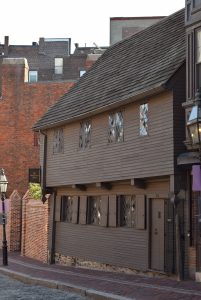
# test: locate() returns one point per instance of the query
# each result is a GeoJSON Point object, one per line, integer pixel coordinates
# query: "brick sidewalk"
{"type": "Point", "coordinates": [96, 284]}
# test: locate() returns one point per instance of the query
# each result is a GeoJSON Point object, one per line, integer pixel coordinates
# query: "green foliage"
{"type": "Point", "coordinates": [35, 191]}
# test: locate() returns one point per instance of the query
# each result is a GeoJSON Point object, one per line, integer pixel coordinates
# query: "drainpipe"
{"type": "Point", "coordinates": [44, 167]}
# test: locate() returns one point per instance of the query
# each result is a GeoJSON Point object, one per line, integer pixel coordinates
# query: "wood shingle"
{"type": "Point", "coordinates": [138, 66]}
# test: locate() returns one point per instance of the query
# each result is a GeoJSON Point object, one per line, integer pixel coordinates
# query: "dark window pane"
{"type": "Point", "coordinates": [144, 119]}
{"type": "Point", "coordinates": [198, 71]}
{"type": "Point", "coordinates": [85, 134]}
{"type": "Point", "coordinates": [94, 210]}
{"type": "Point", "coordinates": [127, 211]}
{"type": "Point", "coordinates": [116, 127]}
{"type": "Point", "coordinates": [58, 141]}
{"type": "Point", "coordinates": [66, 208]}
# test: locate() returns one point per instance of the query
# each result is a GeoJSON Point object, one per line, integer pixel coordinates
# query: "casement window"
{"type": "Point", "coordinates": [198, 59]}
{"type": "Point", "coordinates": [58, 141]}
{"type": "Point", "coordinates": [144, 119]}
{"type": "Point", "coordinates": [69, 209]}
{"type": "Point", "coordinates": [33, 76]}
{"type": "Point", "coordinates": [131, 211]}
{"type": "Point", "coordinates": [58, 65]}
{"type": "Point", "coordinates": [116, 127]}
{"type": "Point", "coordinates": [85, 134]}
{"type": "Point", "coordinates": [94, 210]}
{"type": "Point", "coordinates": [126, 210]}
{"type": "Point", "coordinates": [66, 208]}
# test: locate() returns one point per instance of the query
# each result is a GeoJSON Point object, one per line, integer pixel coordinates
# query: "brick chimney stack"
{"type": "Point", "coordinates": [14, 73]}
{"type": "Point", "coordinates": [6, 45]}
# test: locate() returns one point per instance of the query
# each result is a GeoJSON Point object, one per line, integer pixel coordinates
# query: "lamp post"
{"type": "Point", "coordinates": [194, 122]}
{"type": "Point", "coordinates": [3, 189]}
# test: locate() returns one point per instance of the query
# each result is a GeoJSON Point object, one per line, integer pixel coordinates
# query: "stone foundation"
{"type": "Point", "coordinates": [78, 262]}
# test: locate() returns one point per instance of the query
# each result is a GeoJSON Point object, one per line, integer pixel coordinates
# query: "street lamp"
{"type": "Point", "coordinates": [194, 121]}
{"type": "Point", "coordinates": [3, 189]}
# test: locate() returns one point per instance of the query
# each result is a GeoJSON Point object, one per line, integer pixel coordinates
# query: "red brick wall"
{"type": "Point", "coordinates": [34, 228]}
{"type": "Point", "coordinates": [22, 104]}
{"type": "Point", "coordinates": [13, 224]}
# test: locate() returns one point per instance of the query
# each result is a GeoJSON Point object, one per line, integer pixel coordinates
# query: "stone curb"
{"type": "Point", "coordinates": [84, 292]}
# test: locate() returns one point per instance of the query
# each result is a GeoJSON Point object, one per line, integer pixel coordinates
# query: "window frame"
{"type": "Point", "coordinates": [58, 67]}
{"type": "Point", "coordinates": [144, 120]}
{"type": "Point", "coordinates": [85, 134]}
{"type": "Point", "coordinates": [34, 74]}
{"type": "Point", "coordinates": [116, 127]}
{"type": "Point", "coordinates": [58, 141]}
{"type": "Point", "coordinates": [94, 207]}
{"type": "Point", "coordinates": [121, 209]}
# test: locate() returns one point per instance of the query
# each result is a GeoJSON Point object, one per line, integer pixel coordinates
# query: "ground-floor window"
{"type": "Point", "coordinates": [126, 211]}
{"type": "Point", "coordinates": [94, 210]}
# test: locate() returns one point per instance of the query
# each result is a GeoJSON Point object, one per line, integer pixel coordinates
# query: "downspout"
{"type": "Point", "coordinates": [44, 167]}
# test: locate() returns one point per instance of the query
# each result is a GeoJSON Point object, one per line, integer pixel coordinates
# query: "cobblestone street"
{"type": "Point", "coordinates": [11, 289]}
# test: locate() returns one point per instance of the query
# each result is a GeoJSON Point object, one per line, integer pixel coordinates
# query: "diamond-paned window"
{"type": "Point", "coordinates": [94, 210]}
{"type": "Point", "coordinates": [116, 127]}
{"type": "Point", "coordinates": [144, 119]}
{"type": "Point", "coordinates": [85, 134]}
{"type": "Point", "coordinates": [66, 208]}
{"type": "Point", "coordinates": [127, 211]}
{"type": "Point", "coordinates": [58, 141]}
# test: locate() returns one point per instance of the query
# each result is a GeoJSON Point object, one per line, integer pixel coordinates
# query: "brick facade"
{"type": "Point", "coordinates": [22, 104]}
{"type": "Point", "coordinates": [35, 216]}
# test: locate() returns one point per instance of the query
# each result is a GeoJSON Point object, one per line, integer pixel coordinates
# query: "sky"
{"type": "Point", "coordinates": [84, 21]}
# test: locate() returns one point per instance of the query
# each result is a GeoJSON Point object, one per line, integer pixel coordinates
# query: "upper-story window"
{"type": "Point", "coordinates": [85, 134]}
{"type": "Point", "coordinates": [33, 76]}
{"type": "Point", "coordinates": [58, 65]}
{"type": "Point", "coordinates": [196, 3]}
{"type": "Point", "coordinates": [116, 127]}
{"type": "Point", "coordinates": [198, 59]}
{"type": "Point", "coordinates": [58, 141]}
{"type": "Point", "coordinates": [144, 119]}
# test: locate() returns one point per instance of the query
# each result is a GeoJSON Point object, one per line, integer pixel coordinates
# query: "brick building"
{"type": "Point", "coordinates": [22, 104]}
{"type": "Point", "coordinates": [32, 78]}
{"type": "Point", "coordinates": [51, 60]}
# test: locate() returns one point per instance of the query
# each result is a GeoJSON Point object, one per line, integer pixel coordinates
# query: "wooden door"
{"type": "Point", "coordinates": [157, 234]}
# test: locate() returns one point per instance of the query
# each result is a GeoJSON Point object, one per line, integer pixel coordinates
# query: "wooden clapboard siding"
{"type": "Point", "coordinates": [126, 247]}
{"type": "Point", "coordinates": [135, 157]}
{"type": "Point", "coordinates": [116, 246]}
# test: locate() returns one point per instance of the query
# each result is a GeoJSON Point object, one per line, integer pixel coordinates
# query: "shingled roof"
{"type": "Point", "coordinates": [137, 66]}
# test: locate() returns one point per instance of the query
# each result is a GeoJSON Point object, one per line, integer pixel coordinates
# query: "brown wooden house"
{"type": "Point", "coordinates": [108, 155]}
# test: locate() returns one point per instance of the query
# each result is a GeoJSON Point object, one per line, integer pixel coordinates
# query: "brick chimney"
{"type": "Point", "coordinates": [14, 73]}
{"type": "Point", "coordinates": [6, 45]}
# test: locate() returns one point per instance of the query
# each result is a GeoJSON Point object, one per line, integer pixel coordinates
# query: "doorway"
{"type": "Point", "coordinates": [157, 234]}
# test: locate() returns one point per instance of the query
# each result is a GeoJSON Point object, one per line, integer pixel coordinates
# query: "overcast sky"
{"type": "Point", "coordinates": [84, 21]}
